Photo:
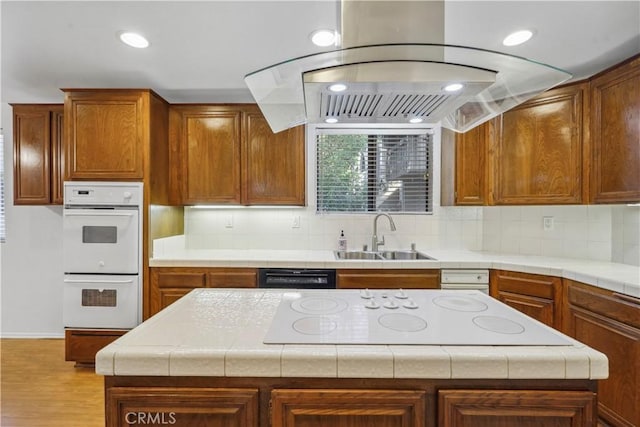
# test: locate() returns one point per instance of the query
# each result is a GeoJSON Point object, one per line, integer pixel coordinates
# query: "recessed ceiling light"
{"type": "Point", "coordinates": [415, 120]}
{"type": "Point", "coordinates": [331, 120]}
{"type": "Point", "coordinates": [323, 38]}
{"type": "Point", "coordinates": [337, 87]}
{"type": "Point", "coordinates": [453, 87]}
{"type": "Point", "coordinates": [517, 38]}
{"type": "Point", "coordinates": [134, 40]}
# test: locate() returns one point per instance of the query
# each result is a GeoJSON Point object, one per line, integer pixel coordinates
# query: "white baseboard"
{"type": "Point", "coordinates": [31, 335]}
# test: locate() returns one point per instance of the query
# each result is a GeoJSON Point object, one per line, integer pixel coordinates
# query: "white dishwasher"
{"type": "Point", "coordinates": [463, 279]}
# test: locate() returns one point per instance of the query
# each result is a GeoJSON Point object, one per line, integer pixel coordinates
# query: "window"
{"type": "Point", "coordinates": [2, 230]}
{"type": "Point", "coordinates": [371, 171]}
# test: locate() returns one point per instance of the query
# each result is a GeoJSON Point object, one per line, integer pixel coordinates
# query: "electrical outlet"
{"type": "Point", "coordinates": [547, 223]}
{"type": "Point", "coordinates": [296, 222]}
{"type": "Point", "coordinates": [228, 221]}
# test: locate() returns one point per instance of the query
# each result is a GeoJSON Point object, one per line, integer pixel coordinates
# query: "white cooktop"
{"type": "Point", "coordinates": [391, 316]}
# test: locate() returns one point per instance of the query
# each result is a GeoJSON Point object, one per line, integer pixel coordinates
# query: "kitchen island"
{"type": "Point", "coordinates": [203, 361]}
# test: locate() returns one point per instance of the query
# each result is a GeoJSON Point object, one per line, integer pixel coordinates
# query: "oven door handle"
{"type": "Point", "coordinates": [90, 213]}
{"type": "Point", "coordinates": [98, 281]}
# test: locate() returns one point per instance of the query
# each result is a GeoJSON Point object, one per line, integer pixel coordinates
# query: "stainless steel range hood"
{"type": "Point", "coordinates": [396, 68]}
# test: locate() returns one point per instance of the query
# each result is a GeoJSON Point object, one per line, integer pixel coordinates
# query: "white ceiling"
{"type": "Point", "coordinates": [200, 51]}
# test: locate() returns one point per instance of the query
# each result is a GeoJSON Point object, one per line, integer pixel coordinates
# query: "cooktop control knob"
{"type": "Point", "coordinates": [372, 304]}
{"type": "Point", "coordinates": [366, 294]}
{"type": "Point", "coordinates": [401, 294]}
{"type": "Point", "coordinates": [391, 304]}
{"type": "Point", "coordinates": [410, 304]}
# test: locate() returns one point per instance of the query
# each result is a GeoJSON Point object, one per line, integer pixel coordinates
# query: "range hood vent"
{"type": "Point", "coordinates": [391, 79]}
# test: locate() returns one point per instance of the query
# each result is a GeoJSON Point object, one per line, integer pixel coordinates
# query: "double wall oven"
{"type": "Point", "coordinates": [102, 250]}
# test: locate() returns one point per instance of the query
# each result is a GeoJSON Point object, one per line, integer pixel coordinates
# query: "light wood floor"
{"type": "Point", "coordinates": [39, 389]}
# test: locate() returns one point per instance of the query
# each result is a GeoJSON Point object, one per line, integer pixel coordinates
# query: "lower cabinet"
{"type": "Point", "coordinates": [210, 407]}
{"type": "Point", "coordinates": [388, 278]}
{"type": "Point", "coordinates": [347, 402]}
{"type": "Point", "coordinates": [168, 284]}
{"type": "Point", "coordinates": [610, 323]}
{"type": "Point", "coordinates": [348, 408]}
{"type": "Point", "coordinates": [522, 408]}
{"type": "Point", "coordinates": [535, 295]}
{"type": "Point", "coordinates": [81, 345]}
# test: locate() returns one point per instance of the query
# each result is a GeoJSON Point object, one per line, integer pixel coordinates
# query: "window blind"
{"type": "Point", "coordinates": [2, 228]}
{"type": "Point", "coordinates": [367, 172]}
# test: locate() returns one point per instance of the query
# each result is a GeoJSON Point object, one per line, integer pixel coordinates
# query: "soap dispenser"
{"type": "Point", "coordinates": [342, 242]}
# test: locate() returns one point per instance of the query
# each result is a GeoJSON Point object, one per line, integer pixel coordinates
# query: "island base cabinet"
{"type": "Point", "coordinates": [522, 408]}
{"type": "Point", "coordinates": [348, 408]}
{"type": "Point", "coordinates": [190, 407]}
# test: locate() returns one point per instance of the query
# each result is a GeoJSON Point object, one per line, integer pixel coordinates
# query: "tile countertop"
{"type": "Point", "coordinates": [615, 277]}
{"type": "Point", "coordinates": [219, 332]}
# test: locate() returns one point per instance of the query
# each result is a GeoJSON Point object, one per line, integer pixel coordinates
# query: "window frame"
{"type": "Point", "coordinates": [313, 130]}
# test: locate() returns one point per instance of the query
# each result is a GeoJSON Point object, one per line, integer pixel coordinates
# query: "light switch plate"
{"type": "Point", "coordinates": [548, 223]}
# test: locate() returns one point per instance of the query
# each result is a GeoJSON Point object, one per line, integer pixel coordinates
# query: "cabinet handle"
{"type": "Point", "coordinates": [627, 298]}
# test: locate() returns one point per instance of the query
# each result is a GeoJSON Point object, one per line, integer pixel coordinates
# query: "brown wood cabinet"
{"type": "Point", "coordinates": [615, 134]}
{"type": "Point", "coordinates": [108, 133]}
{"type": "Point", "coordinates": [168, 284]}
{"type": "Point", "coordinates": [522, 408]}
{"type": "Point", "coordinates": [471, 168]}
{"type": "Point", "coordinates": [37, 154]}
{"type": "Point", "coordinates": [81, 345]}
{"type": "Point", "coordinates": [348, 408]}
{"type": "Point", "coordinates": [211, 407]}
{"type": "Point", "coordinates": [535, 295]}
{"type": "Point", "coordinates": [227, 154]}
{"type": "Point", "coordinates": [388, 278]}
{"type": "Point", "coordinates": [610, 323]}
{"type": "Point", "coordinates": [537, 156]}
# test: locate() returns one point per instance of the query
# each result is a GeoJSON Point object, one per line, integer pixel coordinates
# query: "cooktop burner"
{"type": "Point", "coordinates": [428, 317]}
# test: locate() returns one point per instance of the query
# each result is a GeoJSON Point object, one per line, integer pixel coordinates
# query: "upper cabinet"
{"type": "Point", "coordinates": [37, 154]}
{"type": "Point", "coordinates": [227, 154]}
{"type": "Point", "coordinates": [615, 134]}
{"type": "Point", "coordinates": [109, 133]}
{"type": "Point", "coordinates": [471, 168]}
{"type": "Point", "coordinates": [273, 165]}
{"type": "Point", "coordinates": [576, 144]}
{"type": "Point", "coordinates": [537, 153]}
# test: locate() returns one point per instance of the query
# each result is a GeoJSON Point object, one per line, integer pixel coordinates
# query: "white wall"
{"type": "Point", "coordinates": [31, 260]}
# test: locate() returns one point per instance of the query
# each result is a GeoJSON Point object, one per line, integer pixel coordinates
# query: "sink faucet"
{"type": "Point", "coordinates": [374, 239]}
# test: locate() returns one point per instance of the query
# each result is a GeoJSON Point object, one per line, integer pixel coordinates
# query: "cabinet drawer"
{"type": "Point", "coordinates": [534, 285]}
{"type": "Point", "coordinates": [388, 278]}
{"type": "Point", "coordinates": [81, 345]}
{"type": "Point", "coordinates": [623, 308]}
{"type": "Point", "coordinates": [232, 278]}
{"type": "Point", "coordinates": [181, 279]}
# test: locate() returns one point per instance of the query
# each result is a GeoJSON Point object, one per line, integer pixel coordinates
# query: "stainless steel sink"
{"type": "Point", "coordinates": [404, 255]}
{"type": "Point", "coordinates": [383, 255]}
{"type": "Point", "coordinates": [357, 255]}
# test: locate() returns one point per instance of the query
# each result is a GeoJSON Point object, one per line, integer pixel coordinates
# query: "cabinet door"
{"type": "Point", "coordinates": [615, 135]}
{"type": "Point", "coordinates": [538, 150]}
{"type": "Point", "coordinates": [105, 134]}
{"type": "Point", "coordinates": [471, 168]}
{"type": "Point", "coordinates": [348, 408]}
{"type": "Point", "coordinates": [384, 279]}
{"type": "Point", "coordinates": [535, 295]}
{"type": "Point", "coordinates": [208, 140]}
{"type": "Point", "coordinates": [609, 323]}
{"type": "Point", "coordinates": [57, 155]}
{"type": "Point", "coordinates": [211, 407]}
{"type": "Point", "coordinates": [273, 164]}
{"type": "Point", "coordinates": [522, 408]}
{"type": "Point", "coordinates": [37, 133]}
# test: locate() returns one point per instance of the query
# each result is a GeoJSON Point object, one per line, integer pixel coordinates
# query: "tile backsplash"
{"type": "Point", "coordinates": [597, 232]}
{"type": "Point", "coordinates": [302, 228]}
